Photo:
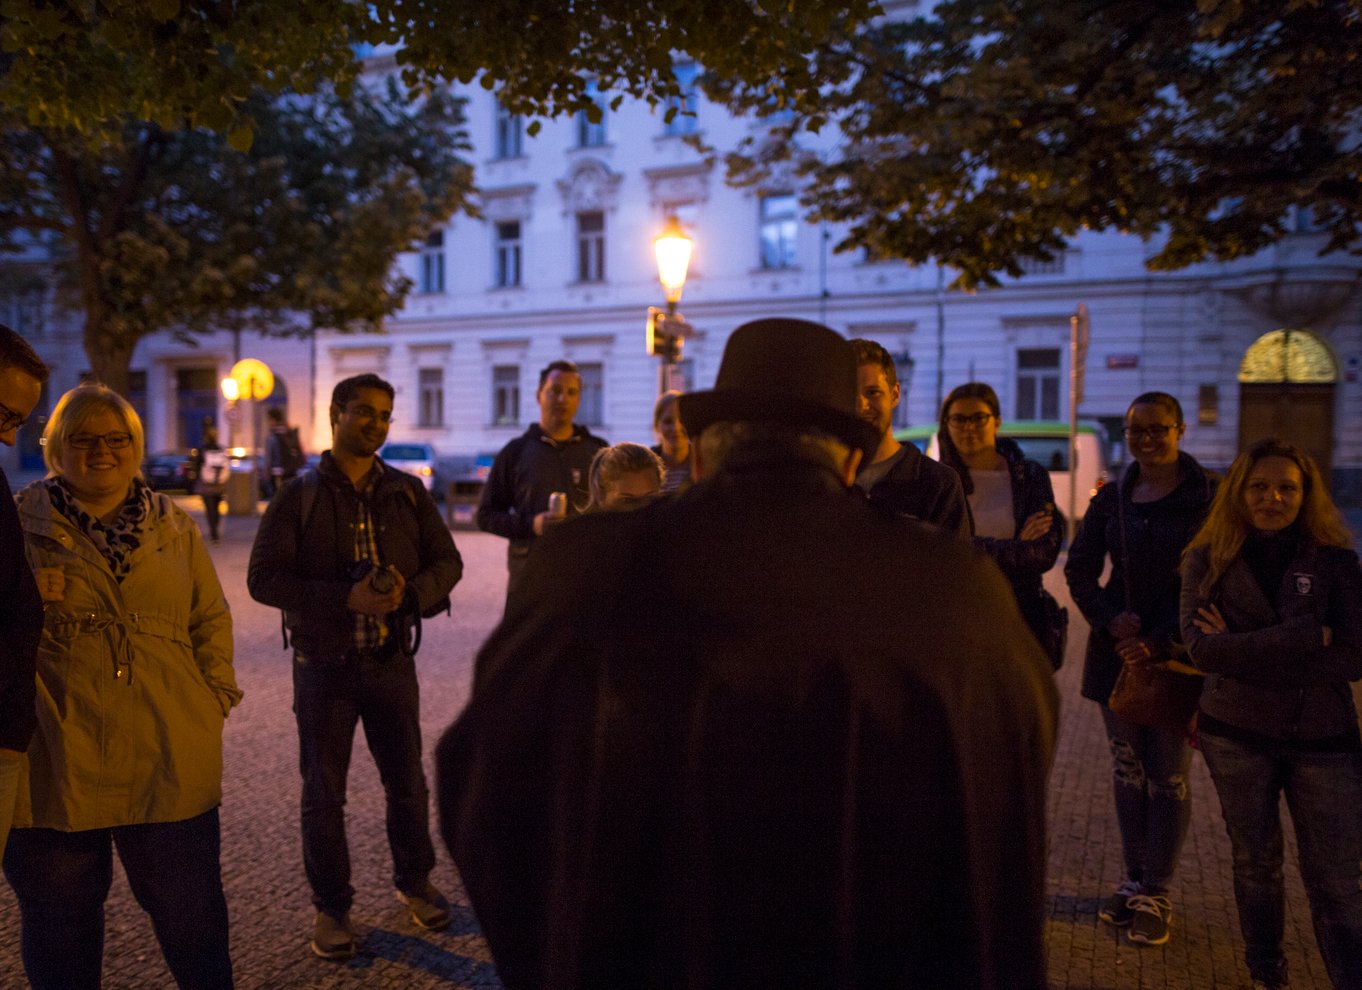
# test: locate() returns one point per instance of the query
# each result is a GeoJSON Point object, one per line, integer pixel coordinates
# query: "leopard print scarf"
{"type": "Point", "coordinates": [117, 540]}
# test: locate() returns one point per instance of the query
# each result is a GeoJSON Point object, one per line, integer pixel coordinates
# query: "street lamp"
{"type": "Point", "coordinates": [667, 330]}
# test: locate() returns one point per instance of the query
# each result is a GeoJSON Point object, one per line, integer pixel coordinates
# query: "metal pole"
{"type": "Point", "coordinates": [1073, 425]}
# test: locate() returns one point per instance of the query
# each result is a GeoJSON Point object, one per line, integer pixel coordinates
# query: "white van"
{"type": "Point", "coordinates": [414, 457]}
{"type": "Point", "coordinates": [1045, 442]}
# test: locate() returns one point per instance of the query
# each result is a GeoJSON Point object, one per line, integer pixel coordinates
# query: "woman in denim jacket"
{"type": "Point", "coordinates": [1272, 612]}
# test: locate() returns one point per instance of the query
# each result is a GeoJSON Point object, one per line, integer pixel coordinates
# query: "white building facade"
{"type": "Point", "coordinates": [560, 265]}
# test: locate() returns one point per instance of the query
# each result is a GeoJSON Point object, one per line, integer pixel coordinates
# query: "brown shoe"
{"type": "Point", "coordinates": [428, 907]}
{"type": "Point", "coordinates": [332, 938]}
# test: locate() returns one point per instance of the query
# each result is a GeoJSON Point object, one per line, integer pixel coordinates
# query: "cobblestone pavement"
{"type": "Point", "coordinates": [268, 896]}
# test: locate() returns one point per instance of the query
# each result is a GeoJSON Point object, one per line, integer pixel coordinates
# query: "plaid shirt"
{"type": "Point", "coordinates": [370, 632]}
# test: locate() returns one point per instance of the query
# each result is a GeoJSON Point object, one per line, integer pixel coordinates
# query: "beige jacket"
{"type": "Point", "coordinates": [134, 680]}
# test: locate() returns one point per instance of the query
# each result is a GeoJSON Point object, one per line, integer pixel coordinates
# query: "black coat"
{"type": "Point", "coordinates": [21, 627]}
{"type": "Point", "coordinates": [1024, 562]}
{"type": "Point", "coordinates": [730, 740]}
{"type": "Point", "coordinates": [524, 473]}
{"type": "Point", "coordinates": [309, 574]}
{"type": "Point", "coordinates": [918, 487]}
{"type": "Point", "coordinates": [1271, 673]}
{"type": "Point", "coordinates": [1158, 533]}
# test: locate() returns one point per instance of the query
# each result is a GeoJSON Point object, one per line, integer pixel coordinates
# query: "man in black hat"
{"type": "Point", "coordinates": [728, 752]}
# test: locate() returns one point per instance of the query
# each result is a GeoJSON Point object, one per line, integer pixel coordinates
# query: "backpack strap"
{"type": "Point", "coordinates": [307, 484]}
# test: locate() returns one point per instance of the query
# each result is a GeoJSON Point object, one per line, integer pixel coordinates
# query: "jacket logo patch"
{"type": "Point", "coordinates": [1304, 582]}
{"type": "Point", "coordinates": [576, 476]}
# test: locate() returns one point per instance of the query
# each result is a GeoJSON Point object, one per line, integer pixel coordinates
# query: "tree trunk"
{"type": "Point", "coordinates": [109, 354]}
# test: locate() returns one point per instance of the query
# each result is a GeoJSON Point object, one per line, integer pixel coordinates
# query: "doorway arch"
{"type": "Point", "coordinates": [1286, 389]}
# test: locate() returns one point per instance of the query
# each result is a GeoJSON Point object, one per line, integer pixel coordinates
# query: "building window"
{"type": "Point", "coordinates": [1039, 266]}
{"type": "Point", "coordinates": [508, 134]}
{"type": "Point", "coordinates": [506, 395]}
{"type": "Point", "coordinates": [683, 108]}
{"type": "Point", "coordinates": [1038, 383]}
{"type": "Point", "coordinates": [431, 382]}
{"type": "Point", "coordinates": [591, 247]}
{"type": "Point", "coordinates": [779, 220]}
{"type": "Point", "coordinates": [508, 254]}
{"type": "Point", "coordinates": [592, 410]}
{"type": "Point", "coordinates": [433, 264]}
{"type": "Point", "coordinates": [592, 134]}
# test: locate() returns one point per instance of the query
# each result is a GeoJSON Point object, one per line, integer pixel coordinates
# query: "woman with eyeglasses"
{"type": "Point", "coordinates": [134, 682]}
{"type": "Point", "coordinates": [1141, 525]}
{"type": "Point", "coordinates": [1011, 499]}
{"type": "Point", "coordinates": [1272, 612]}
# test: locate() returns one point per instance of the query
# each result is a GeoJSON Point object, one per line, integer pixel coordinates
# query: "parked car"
{"type": "Point", "coordinates": [414, 457]}
{"type": "Point", "coordinates": [1045, 442]}
{"type": "Point", "coordinates": [168, 471]}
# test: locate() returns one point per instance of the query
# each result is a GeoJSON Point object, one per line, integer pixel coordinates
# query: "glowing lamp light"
{"type": "Point", "coordinates": [231, 391]}
{"type": "Point", "coordinates": [673, 258]}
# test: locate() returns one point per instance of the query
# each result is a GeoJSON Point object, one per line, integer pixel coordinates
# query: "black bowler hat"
{"type": "Point", "coordinates": [784, 371]}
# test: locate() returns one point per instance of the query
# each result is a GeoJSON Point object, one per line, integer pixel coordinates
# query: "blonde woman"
{"type": "Point", "coordinates": [625, 476]}
{"type": "Point", "coordinates": [134, 681]}
{"type": "Point", "coordinates": [1272, 612]}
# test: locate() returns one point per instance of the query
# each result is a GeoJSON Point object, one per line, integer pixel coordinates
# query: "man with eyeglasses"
{"type": "Point", "coordinates": [354, 553]}
{"type": "Point", "coordinates": [22, 374]}
{"type": "Point", "coordinates": [552, 457]}
{"type": "Point", "coordinates": [900, 477]}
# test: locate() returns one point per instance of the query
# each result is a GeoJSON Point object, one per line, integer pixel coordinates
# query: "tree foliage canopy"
{"type": "Point", "coordinates": [989, 131]}
{"type": "Point", "coordinates": [159, 230]}
{"type": "Point", "coordinates": [89, 65]}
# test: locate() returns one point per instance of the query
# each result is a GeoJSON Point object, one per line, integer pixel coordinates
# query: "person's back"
{"type": "Point", "coordinates": [737, 756]}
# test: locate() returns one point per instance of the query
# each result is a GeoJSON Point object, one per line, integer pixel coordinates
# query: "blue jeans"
{"type": "Point", "coordinates": [1324, 795]}
{"type": "Point", "coordinates": [1153, 798]}
{"type": "Point", "coordinates": [62, 880]}
{"type": "Point", "coordinates": [329, 698]}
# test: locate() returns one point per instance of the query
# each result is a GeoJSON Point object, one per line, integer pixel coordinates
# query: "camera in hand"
{"type": "Point", "coordinates": [382, 581]}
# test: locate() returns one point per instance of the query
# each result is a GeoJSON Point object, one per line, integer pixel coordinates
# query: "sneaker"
{"type": "Point", "coordinates": [428, 907]}
{"type": "Point", "coordinates": [1116, 909]}
{"type": "Point", "coordinates": [1151, 921]}
{"type": "Point", "coordinates": [332, 938]}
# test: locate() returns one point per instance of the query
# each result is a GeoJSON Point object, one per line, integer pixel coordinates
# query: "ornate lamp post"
{"type": "Point", "coordinates": [667, 330]}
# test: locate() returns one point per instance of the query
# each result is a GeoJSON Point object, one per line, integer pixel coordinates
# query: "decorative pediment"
{"type": "Point", "coordinates": [590, 186]}
{"type": "Point", "coordinates": [508, 202]}
{"type": "Point", "coordinates": [678, 183]}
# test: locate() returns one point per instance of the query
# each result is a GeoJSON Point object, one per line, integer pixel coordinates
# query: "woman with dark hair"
{"type": "Point", "coordinates": [1142, 525]}
{"type": "Point", "coordinates": [1272, 612]}
{"type": "Point", "coordinates": [673, 442]}
{"type": "Point", "coordinates": [1012, 502]}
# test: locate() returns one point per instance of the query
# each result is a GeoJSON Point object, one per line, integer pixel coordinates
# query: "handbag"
{"type": "Point", "coordinates": [1163, 694]}
{"type": "Point", "coordinates": [1054, 631]}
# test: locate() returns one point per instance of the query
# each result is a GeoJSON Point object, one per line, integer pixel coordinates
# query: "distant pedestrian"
{"type": "Point", "coordinates": [898, 476]}
{"type": "Point", "coordinates": [625, 476]}
{"type": "Point", "coordinates": [691, 761]}
{"type": "Point", "coordinates": [284, 456]}
{"type": "Point", "coordinates": [135, 681]}
{"type": "Point", "coordinates": [22, 374]}
{"type": "Point", "coordinates": [1272, 612]}
{"type": "Point", "coordinates": [1141, 524]}
{"type": "Point", "coordinates": [353, 554]}
{"type": "Point", "coordinates": [552, 456]}
{"type": "Point", "coordinates": [673, 444]}
{"type": "Point", "coordinates": [1012, 503]}
{"type": "Point", "coordinates": [212, 467]}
